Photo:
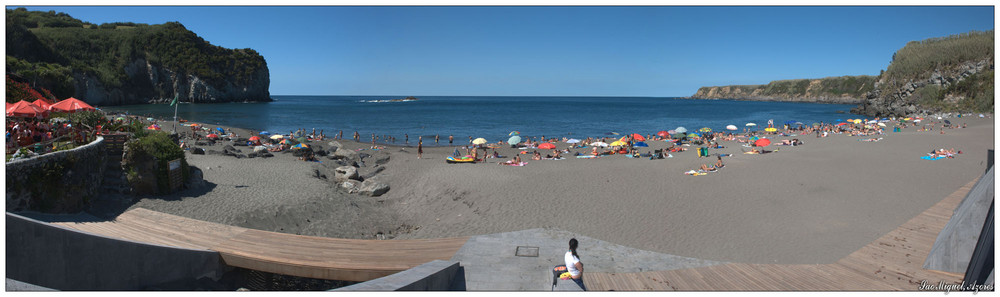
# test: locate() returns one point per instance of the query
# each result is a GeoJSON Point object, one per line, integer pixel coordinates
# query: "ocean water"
{"type": "Point", "coordinates": [492, 117]}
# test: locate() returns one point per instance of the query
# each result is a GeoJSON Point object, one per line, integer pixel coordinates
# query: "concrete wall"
{"type": "Point", "coordinates": [436, 275]}
{"type": "Point", "coordinates": [63, 259]}
{"type": "Point", "coordinates": [79, 172]}
{"type": "Point", "coordinates": [954, 245]}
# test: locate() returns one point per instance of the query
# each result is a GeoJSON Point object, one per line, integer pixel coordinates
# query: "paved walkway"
{"type": "Point", "coordinates": [490, 262]}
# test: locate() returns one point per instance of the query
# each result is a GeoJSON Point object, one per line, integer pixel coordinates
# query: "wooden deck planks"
{"type": "Point", "coordinates": [305, 256]}
{"type": "Point", "coordinates": [891, 262]}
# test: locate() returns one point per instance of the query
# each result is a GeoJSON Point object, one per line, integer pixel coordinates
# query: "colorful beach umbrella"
{"type": "Point", "coordinates": [681, 130]}
{"type": "Point", "coordinates": [640, 144]}
{"type": "Point", "coordinates": [514, 140]}
{"type": "Point", "coordinates": [731, 127]}
{"type": "Point", "coordinates": [762, 142]}
{"type": "Point", "coordinates": [153, 127]}
{"type": "Point", "coordinates": [754, 138]}
{"type": "Point", "coordinates": [770, 129]}
{"type": "Point", "coordinates": [479, 141]}
{"type": "Point", "coordinates": [513, 133]}
{"type": "Point", "coordinates": [618, 143]}
{"type": "Point", "coordinates": [705, 129]}
{"type": "Point", "coordinates": [693, 135]}
{"type": "Point", "coordinates": [599, 144]}
{"type": "Point", "coordinates": [662, 133]}
{"type": "Point", "coordinates": [71, 105]}
{"type": "Point", "coordinates": [300, 146]}
{"type": "Point", "coordinates": [547, 146]}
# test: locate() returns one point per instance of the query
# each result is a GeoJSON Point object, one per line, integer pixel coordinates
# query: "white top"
{"type": "Point", "coordinates": [571, 263]}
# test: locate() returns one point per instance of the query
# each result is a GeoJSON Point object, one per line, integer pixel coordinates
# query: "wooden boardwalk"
{"type": "Point", "coordinates": [891, 263]}
{"type": "Point", "coordinates": [305, 256]}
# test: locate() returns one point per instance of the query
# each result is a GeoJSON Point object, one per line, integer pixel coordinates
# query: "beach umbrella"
{"type": "Point", "coordinates": [479, 141]}
{"type": "Point", "coordinates": [731, 127]}
{"type": "Point", "coordinates": [705, 129]}
{"type": "Point", "coordinates": [153, 127]}
{"type": "Point", "coordinates": [255, 138]}
{"type": "Point", "coordinates": [25, 109]}
{"type": "Point", "coordinates": [857, 121]}
{"type": "Point", "coordinates": [44, 104]}
{"type": "Point", "coordinates": [679, 135]}
{"type": "Point", "coordinates": [195, 125]}
{"type": "Point", "coordinates": [751, 124]}
{"type": "Point", "coordinates": [872, 122]}
{"type": "Point", "coordinates": [672, 132]}
{"type": "Point", "coordinates": [599, 143]}
{"type": "Point", "coordinates": [762, 142]}
{"type": "Point", "coordinates": [754, 138]}
{"type": "Point", "coordinates": [693, 135]}
{"type": "Point", "coordinates": [617, 143]}
{"type": "Point", "coordinates": [300, 146]}
{"type": "Point", "coordinates": [276, 137]}
{"type": "Point", "coordinates": [770, 129]}
{"type": "Point", "coordinates": [71, 105]}
{"type": "Point", "coordinates": [513, 140]}
{"type": "Point", "coordinates": [513, 133]}
{"type": "Point", "coordinates": [917, 120]}
{"type": "Point", "coordinates": [841, 124]}
{"type": "Point", "coordinates": [881, 124]}
{"type": "Point", "coordinates": [573, 140]}
{"type": "Point", "coordinates": [301, 139]}
{"type": "Point", "coordinates": [662, 133]}
{"type": "Point", "coordinates": [213, 135]}
{"type": "Point", "coordinates": [547, 146]}
{"type": "Point", "coordinates": [681, 130]}
{"type": "Point", "coordinates": [640, 144]}
{"type": "Point", "coordinates": [638, 137]}
{"type": "Point", "coordinates": [264, 133]}
{"type": "Point", "coordinates": [221, 131]}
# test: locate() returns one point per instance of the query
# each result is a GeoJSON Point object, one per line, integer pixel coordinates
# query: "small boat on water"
{"type": "Point", "coordinates": [410, 98]}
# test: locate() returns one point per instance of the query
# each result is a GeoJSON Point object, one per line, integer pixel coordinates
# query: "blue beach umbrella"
{"type": "Point", "coordinates": [220, 130]}
{"type": "Point", "coordinates": [514, 140]}
{"type": "Point", "coordinates": [640, 144]}
{"type": "Point", "coordinates": [265, 133]}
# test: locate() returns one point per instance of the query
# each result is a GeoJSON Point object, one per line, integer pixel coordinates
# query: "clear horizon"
{"type": "Point", "coordinates": [607, 51]}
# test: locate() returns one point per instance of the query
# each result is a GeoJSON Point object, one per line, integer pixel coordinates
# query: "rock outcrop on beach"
{"type": "Point", "coordinates": [842, 90]}
{"type": "Point", "coordinates": [127, 63]}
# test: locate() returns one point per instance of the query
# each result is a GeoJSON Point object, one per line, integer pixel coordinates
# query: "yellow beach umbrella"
{"type": "Point", "coordinates": [618, 143]}
{"type": "Point", "coordinates": [857, 121]}
{"type": "Point", "coordinates": [276, 137]}
{"type": "Point", "coordinates": [479, 141]}
{"type": "Point", "coordinates": [771, 130]}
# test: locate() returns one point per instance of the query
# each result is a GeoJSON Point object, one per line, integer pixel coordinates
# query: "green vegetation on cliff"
{"type": "Point", "coordinates": [46, 48]}
{"type": "Point", "coordinates": [850, 87]}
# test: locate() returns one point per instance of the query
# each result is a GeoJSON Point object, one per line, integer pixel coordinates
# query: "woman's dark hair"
{"type": "Point", "coordinates": [572, 246]}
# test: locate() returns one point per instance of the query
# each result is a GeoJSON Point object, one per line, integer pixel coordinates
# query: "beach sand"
{"type": "Point", "coordinates": [807, 204]}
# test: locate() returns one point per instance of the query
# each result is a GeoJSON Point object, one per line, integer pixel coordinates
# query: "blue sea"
{"type": "Point", "coordinates": [492, 118]}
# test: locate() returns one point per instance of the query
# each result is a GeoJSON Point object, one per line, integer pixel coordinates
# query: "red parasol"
{"type": "Point", "coordinates": [637, 137]}
{"type": "Point", "coordinates": [71, 105]}
{"type": "Point", "coordinates": [255, 138]}
{"type": "Point", "coordinates": [762, 142]}
{"type": "Point", "coordinates": [213, 135]}
{"type": "Point", "coordinates": [44, 104]}
{"type": "Point", "coordinates": [26, 110]}
{"type": "Point", "coordinates": [663, 134]}
{"type": "Point", "coordinates": [546, 146]}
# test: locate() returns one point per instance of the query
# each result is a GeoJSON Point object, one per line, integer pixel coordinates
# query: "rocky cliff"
{"type": "Point", "coordinates": [925, 95]}
{"type": "Point", "coordinates": [152, 83]}
{"type": "Point", "coordinates": [800, 90]}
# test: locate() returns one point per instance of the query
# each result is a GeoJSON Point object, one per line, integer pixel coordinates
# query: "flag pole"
{"type": "Point", "coordinates": [175, 112]}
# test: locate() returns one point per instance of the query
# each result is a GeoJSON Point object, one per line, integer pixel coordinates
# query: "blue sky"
{"type": "Point", "coordinates": [553, 51]}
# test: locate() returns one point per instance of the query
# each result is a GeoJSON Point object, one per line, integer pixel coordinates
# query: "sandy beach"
{"type": "Point", "coordinates": [808, 204]}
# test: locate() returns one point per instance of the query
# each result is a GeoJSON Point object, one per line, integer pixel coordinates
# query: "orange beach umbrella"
{"type": "Point", "coordinates": [25, 109]}
{"type": "Point", "coordinates": [71, 105]}
{"type": "Point", "coordinates": [44, 104]}
{"type": "Point", "coordinates": [547, 146]}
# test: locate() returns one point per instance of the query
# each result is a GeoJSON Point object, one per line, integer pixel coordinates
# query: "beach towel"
{"type": "Point", "coordinates": [932, 158]}
{"type": "Point", "coordinates": [587, 157]}
{"type": "Point", "coordinates": [513, 164]}
{"type": "Point", "coordinates": [695, 173]}
{"type": "Point", "coordinates": [560, 158]}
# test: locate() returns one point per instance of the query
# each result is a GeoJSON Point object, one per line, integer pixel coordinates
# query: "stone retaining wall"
{"type": "Point", "coordinates": [59, 182]}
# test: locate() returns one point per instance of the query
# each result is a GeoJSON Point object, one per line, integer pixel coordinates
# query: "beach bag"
{"type": "Point", "coordinates": [703, 152]}
{"type": "Point", "coordinates": [557, 272]}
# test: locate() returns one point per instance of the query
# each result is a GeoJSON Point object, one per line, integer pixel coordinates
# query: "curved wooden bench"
{"type": "Point", "coordinates": [289, 254]}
